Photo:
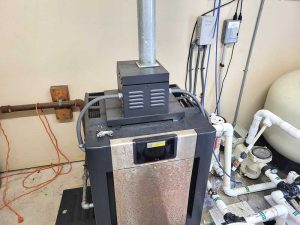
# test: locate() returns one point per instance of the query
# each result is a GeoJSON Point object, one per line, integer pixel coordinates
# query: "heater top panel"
{"type": "Point", "coordinates": [130, 74]}
{"type": "Point", "coordinates": [96, 120]}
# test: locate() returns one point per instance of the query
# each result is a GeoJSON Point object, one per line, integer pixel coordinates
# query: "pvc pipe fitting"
{"type": "Point", "coordinates": [269, 120]}
{"type": "Point", "coordinates": [292, 176]}
{"type": "Point", "coordinates": [278, 197]}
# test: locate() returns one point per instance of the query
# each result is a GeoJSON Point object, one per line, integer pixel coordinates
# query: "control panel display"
{"type": "Point", "coordinates": [154, 149]}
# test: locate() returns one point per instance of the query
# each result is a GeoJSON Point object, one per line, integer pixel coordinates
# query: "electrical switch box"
{"type": "Point", "coordinates": [230, 31]}
{"type": "Point", "coordinates": [205, 30]}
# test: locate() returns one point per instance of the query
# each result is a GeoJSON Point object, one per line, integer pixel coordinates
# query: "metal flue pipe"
{"type": "Point", "coordinates": [147, 32]}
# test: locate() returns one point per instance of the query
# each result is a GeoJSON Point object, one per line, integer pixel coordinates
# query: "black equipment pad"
{"type": "Point", "coordinates": [70, 211]}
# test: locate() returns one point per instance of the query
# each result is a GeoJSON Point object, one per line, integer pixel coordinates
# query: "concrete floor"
{"type": "Point", "coordinates": [40, 207]}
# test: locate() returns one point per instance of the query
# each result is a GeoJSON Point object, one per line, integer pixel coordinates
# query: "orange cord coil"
{"type": "Point", "coordinates": [57, 167]}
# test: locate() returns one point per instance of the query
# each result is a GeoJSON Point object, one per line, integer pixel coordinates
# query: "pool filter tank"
{"type": "Point", "coordinates": [283, 100]}
{"type": "Point", "coordinates": [152, 167]}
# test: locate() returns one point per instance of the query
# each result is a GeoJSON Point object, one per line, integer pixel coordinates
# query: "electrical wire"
{"type": "Point", "coordinates": [226, 74]}
{"type": "Point", "coordinates": [189, 55]}
{"type": "Point", "coordinates": [20, 218]}
{"type": "Point", "coordinates": [192, 37]}
{"type": "Point", "coordinates": [202, 73]}
{"type": "Point", "coordinates": [215, 8]}
{"type": "Point", "coordinates": [232, 179]}
{"type": "Point", "coordinates": [236, 10]}
{"type": "Point", "coordinates": [206, 77]}
{"type": "Point", "coordinates": [241, 9]}
{"type": "Point", "coordinates": [191, 67]}
{"type": "Point", "coordinates": [57, 168]}
{"type": "Point", "coordinates": [196, 70]}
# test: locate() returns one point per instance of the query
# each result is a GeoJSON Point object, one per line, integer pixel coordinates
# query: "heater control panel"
{"type": "Point", "coordinates": [152, 149]}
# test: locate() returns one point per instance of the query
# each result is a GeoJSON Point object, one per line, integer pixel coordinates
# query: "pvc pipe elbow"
{"type": "Point", "coordinates": [278, 197]}
{"type": "Point", "coordinates": [225, 128]}
{"type": "Point", "coordinates": [292, 176]}
{"type": "Point", "coordinates": [230, 192]}
{"type": "Point", "coordinates": [85, 205]}
{"type": "Point", "coordinates": [281, 210]}
{"type": "Point", "coordinates": [228, 129]}
{"type": "Point", "coordinates": [241, 224]}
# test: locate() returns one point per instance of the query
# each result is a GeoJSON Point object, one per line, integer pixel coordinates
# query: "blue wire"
{"type": "Point", "coordinates": [206, 76]}
{"type": "Point", "coordinates": [232, 179]}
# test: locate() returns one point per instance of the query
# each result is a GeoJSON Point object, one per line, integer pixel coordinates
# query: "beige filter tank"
{"type": "Point", "coordinates": [284, 100]}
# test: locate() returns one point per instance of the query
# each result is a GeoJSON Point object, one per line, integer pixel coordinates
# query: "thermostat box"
{"type": "Point", "coordinates": [205, 30]}
{"type": "Point", "coordinates": [230, 31]}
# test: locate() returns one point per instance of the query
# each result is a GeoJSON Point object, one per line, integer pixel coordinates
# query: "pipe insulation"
{"type": "Point", "coordinates": [147, 32]}
{"type": "Point", "coordinates": [268, 118]}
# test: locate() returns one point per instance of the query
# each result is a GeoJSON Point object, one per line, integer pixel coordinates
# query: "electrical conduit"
{"type": "Point", "coordinates": [84, 110]}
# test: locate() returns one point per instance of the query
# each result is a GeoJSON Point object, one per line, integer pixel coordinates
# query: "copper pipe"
{"type": "Point", "coordinates": [49, 105]}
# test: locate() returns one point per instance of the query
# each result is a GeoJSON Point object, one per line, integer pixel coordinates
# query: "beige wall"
{"type": "Point", "coordinates": [76, 42]}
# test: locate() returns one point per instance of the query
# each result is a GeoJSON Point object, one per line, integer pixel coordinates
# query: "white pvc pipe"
{"type": "Point", "coordinates": [220, 204]}
{"type": "Point", "coordinates": [273, 177]}
{"type": "Point", "coordinates": [277, 211]}
{"type": "Point", "coordinates": [217, 168]}
{"type": "Point", "coordinates": [250, 146]}
{"type": "Point", "coordinates": [227, 130]}
{"type": "Point", "coordinates": [248, 189]}
{"type": "Point", "coordinates": [222, 207]}
{"type": "Point", "coordinates": [241, 224]}
{"type": "Point", "coordinates": [270, 119]}
{"type": "Point", "coordinates": [292, 176]}
{"type": "Point", "coordinates": [278, 197]}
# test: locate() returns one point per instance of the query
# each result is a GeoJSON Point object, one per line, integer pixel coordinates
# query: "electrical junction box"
{"type": "Point", "coordinates": [205, 30]}
{"type": "Point", "coordinates": [230, 33]}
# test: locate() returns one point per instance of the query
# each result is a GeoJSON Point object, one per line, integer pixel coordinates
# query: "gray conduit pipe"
{"type": "Point", "coordinates": [84, 110]}
{"type": "Point", "coordinates": [181, 91]}
{"type": "Point", "coordinates": [237, 110]}
{"type": "Point", "coordinates": [84, 203]}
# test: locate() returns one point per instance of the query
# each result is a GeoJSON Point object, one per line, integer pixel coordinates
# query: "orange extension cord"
{"type": "Point", "coordinates": [57, 168]}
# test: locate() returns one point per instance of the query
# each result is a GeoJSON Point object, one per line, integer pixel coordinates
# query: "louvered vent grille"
{"type": "Point", "coordinates": [136, 100]}
{"type": "Point", "coordinates": [94, 113]}
{"type": "Point", "coordinates": [157, 97]}
{"type": "Point", "coordinates": [94, 110]}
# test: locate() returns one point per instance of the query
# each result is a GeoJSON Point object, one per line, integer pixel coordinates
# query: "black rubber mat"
{"type": "Point", "coordinates": [70, 211]}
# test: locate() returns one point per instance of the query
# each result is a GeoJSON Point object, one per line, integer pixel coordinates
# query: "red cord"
{"type": "Point", "coordinates": [57, 172]}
